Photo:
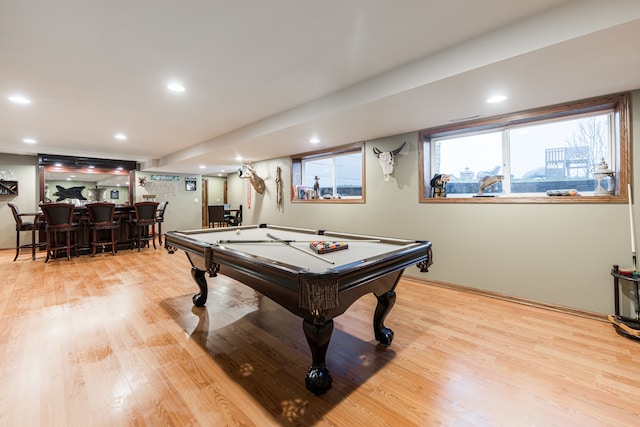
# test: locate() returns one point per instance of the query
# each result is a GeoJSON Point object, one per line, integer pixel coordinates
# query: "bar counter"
{"type": "Point", "coordinates": [123, 234]}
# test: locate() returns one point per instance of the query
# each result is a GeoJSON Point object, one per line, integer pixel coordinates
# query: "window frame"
{"type": "Point", "coordinates": [619, 103]}
{"type": "Point", "coordinates": [329, 152]}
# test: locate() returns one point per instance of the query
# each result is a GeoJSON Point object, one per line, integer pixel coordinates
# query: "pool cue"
{"type": "Point", "coordinates": [631, 226]}
{"type": "Point", "coordinates": [288, 243]}
{"type": "Point", "coordinates": [633, 249]}
{"type": "Point", "coordinates": [292, 241]}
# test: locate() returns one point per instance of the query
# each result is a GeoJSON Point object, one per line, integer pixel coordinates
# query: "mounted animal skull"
{"type": "Point", "coordinates": [387, 160]}
{"type": "Point", "coordinates": [247, 172]}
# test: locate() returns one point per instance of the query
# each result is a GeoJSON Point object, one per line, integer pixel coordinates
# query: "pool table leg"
{"type": "Point", "coordinates": [383, 334]}
{"type": "Point", "coordinates": [318, 379]}
{"type": "Point", "coordinates": [198, 276]}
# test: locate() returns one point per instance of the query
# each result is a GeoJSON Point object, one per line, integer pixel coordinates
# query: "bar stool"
{"type": "Point", "coordinates": [144, 224]}
{"type": "Point", "coordinates": [160, 219]}
{"type": "Point", "coordinates": [101, 218]}
{"type": "Point", "coordinates": [58, 221]}
{"type": "Point", "coordinates": [33, 226]}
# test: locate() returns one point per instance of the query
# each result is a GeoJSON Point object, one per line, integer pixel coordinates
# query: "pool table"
{"type": "Point", "coordinates": [278, 262]}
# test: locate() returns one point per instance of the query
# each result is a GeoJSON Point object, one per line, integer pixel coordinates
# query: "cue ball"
{"type": "Point", "coordinates": [237, 231]}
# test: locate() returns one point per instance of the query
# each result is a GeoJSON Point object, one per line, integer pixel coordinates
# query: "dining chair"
{"type": "Point", "coordinates": [216, 216]}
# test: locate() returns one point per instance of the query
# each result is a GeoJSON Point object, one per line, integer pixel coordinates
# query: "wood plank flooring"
{"type": "Point", "coordinates": [116, 341]}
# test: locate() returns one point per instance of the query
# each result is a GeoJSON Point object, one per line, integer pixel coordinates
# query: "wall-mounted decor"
{"type": "Point", "coordinates": [279, 189]}
{"type": "Point", "coordinates": [387, 159]}
{"type": "Point", "coordinates": [115, 194]}
{"type": "Point", "coordinates": [162, 188]}
{"type": "Point", "coordinates": [247, 171]}
{"type": "Point", "coordinates": [69, 193]}
{"type": "Point", "coordinates": [165, 178]}
{"type": "Point", "coordinates": [190, 184]}
{"type": "Point", "coordinates": [8, 187]}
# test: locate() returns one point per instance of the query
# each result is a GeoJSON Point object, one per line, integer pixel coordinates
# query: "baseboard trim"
{"type": "Point", "coordinates": [517, 300]}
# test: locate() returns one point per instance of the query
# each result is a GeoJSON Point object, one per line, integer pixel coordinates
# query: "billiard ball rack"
{"type": "Point", "coordinates": [323, 247]}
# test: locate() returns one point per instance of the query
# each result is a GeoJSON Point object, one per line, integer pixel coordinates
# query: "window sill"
{"type": "Point", "coordinates": [329, 201]}
{"type": "Point", "coordinates": [532, 200]}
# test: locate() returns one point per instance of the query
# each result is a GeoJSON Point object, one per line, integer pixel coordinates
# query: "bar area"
{"type": "Point", "coordinates": [123, 234]}
{"type": "Point", "coordinates": [82, 184]}
{"type": "Point", "coordinates": [35, 181]}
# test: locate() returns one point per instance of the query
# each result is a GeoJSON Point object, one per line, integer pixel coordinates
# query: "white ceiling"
{"type": "Point", "coordinates": [263, 76]}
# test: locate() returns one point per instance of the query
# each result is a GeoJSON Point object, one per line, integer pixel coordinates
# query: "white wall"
{"type": "Point", "coordinates": [25, 168]}
{"type": "Point", "coordinates": [183, 211]}
{"type": "Point", "coordinates": [215, 187]}
{"type": "Point", "coordinates": [237, 194]}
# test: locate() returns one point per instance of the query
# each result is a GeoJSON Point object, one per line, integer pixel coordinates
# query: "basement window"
{"type": "Point", "coordinates": [334, 176]}
{"type": "Point", "coordinates": [553, 154]}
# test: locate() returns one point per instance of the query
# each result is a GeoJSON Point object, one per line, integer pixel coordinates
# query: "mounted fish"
{"type": "Point", "coordinates": [387, 159]}
{"type": "Point", "coordinates": [487, 182]}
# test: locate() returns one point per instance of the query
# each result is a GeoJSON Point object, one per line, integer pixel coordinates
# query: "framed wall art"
{"type": "Point", "coordinates": [190, 184]}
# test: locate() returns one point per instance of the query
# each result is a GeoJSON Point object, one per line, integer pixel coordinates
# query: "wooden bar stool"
{"type": "Point", "coordinates": [58, 222]}
{"type": "Point", "coordinates": [101, 218]}
{"type": "Point", "coordinates": [160, 219]}
{"type": "Point", "coordinates": [33, 225]}
{"type": "Point", "coordinates": [144, 224]}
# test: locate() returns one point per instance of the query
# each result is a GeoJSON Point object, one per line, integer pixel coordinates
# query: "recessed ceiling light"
{"type": "Point", "coordinates": [29, 141]}
{"type": "Point", "coordinates": [203, 167]}
{"type": "Point", "coordinates": [175, 87]}
{"type": "Point", "coordinates": [496, 98]}
{"type": "Point", "coordinates": [120, 136]}
{"type": "Point", "coordinates": [314, 140]}
{"type": "Point", "coordinates": [19, 99]}
{"type": "Point", "coordinates": [239, 159]}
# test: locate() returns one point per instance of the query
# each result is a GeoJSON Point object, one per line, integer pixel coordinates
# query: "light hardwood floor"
{"type": "Point", "coordinates": [116, 341]}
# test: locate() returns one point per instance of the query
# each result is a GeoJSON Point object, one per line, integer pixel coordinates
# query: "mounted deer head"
{"type": "Point", "coordinates": [247, 172]}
